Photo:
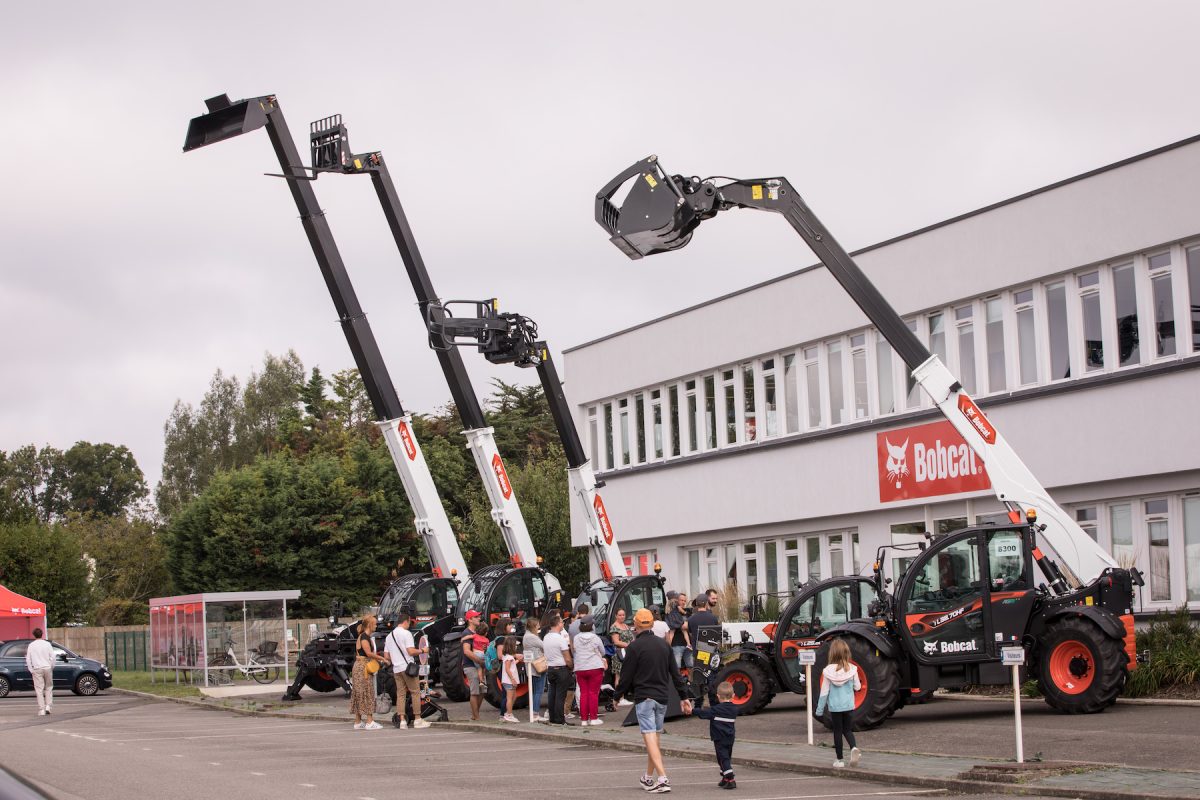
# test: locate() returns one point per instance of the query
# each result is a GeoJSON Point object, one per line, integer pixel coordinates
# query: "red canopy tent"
{"type": "Point", "coordinates": [19, 615]}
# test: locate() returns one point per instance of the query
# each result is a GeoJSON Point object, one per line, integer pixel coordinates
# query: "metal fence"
{"type": "Point", "coordinates": [125, 650]}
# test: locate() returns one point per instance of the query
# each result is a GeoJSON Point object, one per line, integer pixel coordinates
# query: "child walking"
{"type": "Point", "coordinates": [508, 676]}
{"type": "Point", "coordinates": [721, 717]}
{"type": "Point", "coordinates": [839, 682]}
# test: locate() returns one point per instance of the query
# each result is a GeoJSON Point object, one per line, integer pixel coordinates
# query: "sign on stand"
{"type": "Point", "coordinates": [528, 657]}
{"type": "Point", "coordinates": [1015, 657]}
{"type": "Point", "coordinates": [808, 658]}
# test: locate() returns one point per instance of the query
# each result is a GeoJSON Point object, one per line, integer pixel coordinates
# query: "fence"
{"type": "Point", "coordinates": [125, 646]}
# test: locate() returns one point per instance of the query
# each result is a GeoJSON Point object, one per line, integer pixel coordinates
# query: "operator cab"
{"type": "Point", "coordinates": [502, 592]}
{"type": "Point", "coordinates": [815, 608]}
{"type": "Point", "coordinates": [425, 597]}
{"type": "Point", "coordinates": [604, 598]}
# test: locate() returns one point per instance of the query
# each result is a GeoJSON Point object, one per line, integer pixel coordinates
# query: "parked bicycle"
{"type": "Point", "coordinates": [261, 664]}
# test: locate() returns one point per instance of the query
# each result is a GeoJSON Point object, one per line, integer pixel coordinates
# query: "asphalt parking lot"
{"type": "Point", "coordinates": [116, 748]}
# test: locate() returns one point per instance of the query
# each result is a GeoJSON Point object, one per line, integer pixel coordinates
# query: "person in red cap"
{"type": "Point", "coordinates": [472, 662]}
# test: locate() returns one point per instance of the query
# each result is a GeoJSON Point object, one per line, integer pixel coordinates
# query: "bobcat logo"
{"type": "Point", "coordinates": [931, 648]}
{"type": "Point", "coordinates": [897, 461]}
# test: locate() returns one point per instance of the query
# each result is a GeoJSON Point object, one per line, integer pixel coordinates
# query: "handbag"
{"type": "Point", "coordinates": [372, 667]}
{"type": "Point", "coordinates": [540, 665]}
{"type": "Point", "coordinates": [413, 669]}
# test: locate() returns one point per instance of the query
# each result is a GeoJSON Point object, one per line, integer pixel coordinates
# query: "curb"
{"type": "Point", "coordinates": [1122, 701]}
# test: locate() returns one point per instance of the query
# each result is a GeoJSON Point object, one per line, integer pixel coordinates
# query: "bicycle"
{"type": "Point", "coordinates": [259, 666]}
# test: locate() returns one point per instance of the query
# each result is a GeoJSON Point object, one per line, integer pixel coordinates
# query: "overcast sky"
{"type": "Point", "coordinates": [129, 272]}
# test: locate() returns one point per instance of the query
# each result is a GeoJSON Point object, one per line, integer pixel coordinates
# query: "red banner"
{"type": "Point", "coordinates": [926, 461]}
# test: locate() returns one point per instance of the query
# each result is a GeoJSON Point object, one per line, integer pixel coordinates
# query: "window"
{"type": "Point", "coordinates": [963, 321]}
{"type": "Point", "coordinates": [689, 390]}
{"type": "Point", "coordinates": [1125, 294]}
{"type": "Point", "coordinates": [750, 551]}
{"type": "Point", "coordinates": [791, 394]}
{"type": "Point", "coordinates": [950, 525]}
{"type": "Point", "coordinates": [770, 399]}
{"type": "Point", "coordinates": [937, 335]}
{"type": "Point", "coordinates": [812, 550]}
{"type": "Point", "coordinates": [771, 566]}
{"type": "Point", "coordinates": [1120, 518]}
{"type": "Point", "coordinates": [812, 386]}
{"type": "Point", "coordinates": [748, 403]}
{"type": "Point", "coordinates": [791, 554]}
{"type": "Point", "coordinates": [673, 403]}
{"type": "Point", "coordinates": [948, 580]}
{"type": "Point", "coordinates": [913, 396]}
{"type": "Point", "coordinates": [1006, 561]}
{"type": "Point", "coordinates": [1193, 269]}
{"type": "Point", "coordinates": [837, 389]}
{"type": "Point", "coordinates": [1160, 549]}
{"type": "Point", "coordinates": [905, 533]}
{"type": "Point", "coordinates": [1088, 520]}
{"type": "Point", "coordinates": [1056, 326]}
{"type": "Point", "coordinates": [623, 420]}
{"type": "Point", "coordinates": [858, 371]}
{"type": "Point", "coordinates": [710, 412]}
{"type": "Point", "coordinates": [1164, 304]}
{"type": "Point", "coordinates": [883, 375]}
{"type": "Point", "coordinates": [593, 437]}
{"type": "Point", "coordinates": [656, 421]}
{"type": "Point", "coordinates": [729, 394]}
{"type": "Point", "coordinates": [1093, 332]}
{"type": "Point", "coordinates": [608, 436]}
{"type": "Point", "coordinates": [995, 345]}
{"type": "Point", "coordinates": [694, 572]}
{"type": "Point", "coordinates": [1026, 341]}
{"type": "Point", "coordinates": [837, 556]}
{"type": "Point", "coordinates": [639, 432]}
{"type": "Point", "coordinates": [1191, 545]}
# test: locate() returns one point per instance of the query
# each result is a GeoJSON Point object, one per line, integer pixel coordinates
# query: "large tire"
{"type": "Point", "coordinates": [880, 679]}
{"type": "Point", "coordinates": [454, 682]}
{"type": "Point", "coordinates": [751, 686]}
{"type": "Point", "coordinates": [321, 682]}
{"type": "Point", "coordinates": [1080, 670]}
{"type": "Point", "coordinates": [495, 693]}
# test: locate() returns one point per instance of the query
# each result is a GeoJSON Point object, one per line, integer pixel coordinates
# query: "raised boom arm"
{"type": "Point", "coordinates": [225, 120]}
{"type": "Point", "coordinates": [662, 211]}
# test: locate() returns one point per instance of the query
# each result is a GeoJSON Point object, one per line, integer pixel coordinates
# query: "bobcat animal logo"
{"type": "Point", "coordinates": [897, 461]}
{"type": "Point", "coordinates": [931, 648]}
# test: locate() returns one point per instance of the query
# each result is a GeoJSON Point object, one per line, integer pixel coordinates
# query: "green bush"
{"type": "Point", "coordinates": [1174, 644]}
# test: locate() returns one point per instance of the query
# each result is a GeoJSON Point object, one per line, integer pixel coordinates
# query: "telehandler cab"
{"type": "Point", "coordinates": [970, 592]}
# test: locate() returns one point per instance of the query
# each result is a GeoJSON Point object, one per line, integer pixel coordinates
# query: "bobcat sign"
{"type": "Point", "coordinates": [926, 461]}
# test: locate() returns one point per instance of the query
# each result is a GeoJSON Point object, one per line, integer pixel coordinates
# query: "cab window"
{"type": "Point", "coordinates": [1006, 562]}
{"type": "Point", "coordinates": [825, 609]}
{"type": "Point", "coordinates": [948, 579]}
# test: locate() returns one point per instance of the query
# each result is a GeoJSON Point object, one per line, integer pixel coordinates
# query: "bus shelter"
{"type": "Point", "coordinates": [220, 637]}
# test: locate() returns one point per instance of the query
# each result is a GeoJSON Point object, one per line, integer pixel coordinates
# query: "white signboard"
{"type": "Point", "coordinates": [1014, 656]}
{"type": "Point", "coordinates": [806, 657]}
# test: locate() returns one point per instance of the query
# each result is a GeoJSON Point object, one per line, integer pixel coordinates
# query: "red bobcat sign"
{"type": "Point", "coordinates": [410, 447]}
{"type": "Point", "coordinates": [602, 515]}
{"type": "Point", "coordinates": [502, 476]}
{"type": "Point", "coordinates": [927, 461]}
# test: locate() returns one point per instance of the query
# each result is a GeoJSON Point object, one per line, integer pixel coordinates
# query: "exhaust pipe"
{"type": "Point", "coordinates": [226, 119]}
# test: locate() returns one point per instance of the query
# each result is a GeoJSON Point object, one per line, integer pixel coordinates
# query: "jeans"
{"type": "Point", "coordinates": [683, 656]}
{"type": "Point", "coordinates": [651, 715]}
{"type": "Point", "coordinates": [539, 685]}
{"type": "Point", "coordinates": [589, 692]}
{"type": "Point", "coordinates": [724, 757]}
{"type": "Point", "coordinates": [843, 725]}
{"type": "Point", "coordinates": [559, 681]}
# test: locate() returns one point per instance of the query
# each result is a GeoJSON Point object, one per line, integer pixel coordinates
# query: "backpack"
{"type": "Point", "coordinates": [491, 661]}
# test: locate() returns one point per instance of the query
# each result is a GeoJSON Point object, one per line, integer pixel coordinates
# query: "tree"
{"type": "Point", "coordinates": [269, 398]}
{"type": "Point", "coordinates": [46, 563]}
{"type": "Point", "coordinates": [94, 478]}
{"type": "Point", "coordinates": [128, 565]}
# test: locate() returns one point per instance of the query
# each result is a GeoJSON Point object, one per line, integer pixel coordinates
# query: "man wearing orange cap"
{"type": "Point", "coordinates": [647, 673]}
{"type": "Point", "coordinates": [472, 662]}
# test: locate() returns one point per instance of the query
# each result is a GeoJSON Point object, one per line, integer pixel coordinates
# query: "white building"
{"type": "Point", "coordinates": [746, 438]}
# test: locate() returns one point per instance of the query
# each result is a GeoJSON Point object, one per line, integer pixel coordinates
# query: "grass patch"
{"type": "Point", "coordinates": [164, 684]}
{"type": "Point", "coordinates": [1174, 644]}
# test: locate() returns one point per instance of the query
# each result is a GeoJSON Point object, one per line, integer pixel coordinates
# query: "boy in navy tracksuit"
{"type": "Point", "coordinates": [721, 717]}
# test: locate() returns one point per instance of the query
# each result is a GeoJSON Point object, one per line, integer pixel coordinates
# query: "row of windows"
{"type": "Point", "coordinates": [1134, 311]}
{"type": "Point", "coordinates": [771, 566]}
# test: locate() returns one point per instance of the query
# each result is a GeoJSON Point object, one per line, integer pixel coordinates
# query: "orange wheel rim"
{"type": "Point", "coordinates": [743, 687]}
{"type": "Point", "coordinates": [861, 694]}
{"type": "Point", "coordinates": [1072, 667]}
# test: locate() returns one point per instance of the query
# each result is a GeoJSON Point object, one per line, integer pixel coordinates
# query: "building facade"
{"type": "Point", "coordinates": [772, 436]}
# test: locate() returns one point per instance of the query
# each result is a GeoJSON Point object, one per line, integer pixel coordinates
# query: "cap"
{"type": "Point", "coordinates": [472, 614]}
{"type": "Point", "coordinates": [587, 619]}
{"type": "Point", "coordinates": [644, 618]}
{"type": "Point", "coordinates": [672, 595]}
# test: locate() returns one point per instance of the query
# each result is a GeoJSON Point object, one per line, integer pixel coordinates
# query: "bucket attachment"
{"type": "Point", "coordinates": [225, 120]}
{"type": "Point", "coordinates": [653, 218]}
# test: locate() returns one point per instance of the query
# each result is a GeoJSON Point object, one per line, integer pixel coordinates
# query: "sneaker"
{"type": "Point", "coordinates": [722, 782]}
{"type": "Point", "coordinates": [662, 787]}
{"type": "Point", "coordinates": [855, 756]}
{"type": "Point", "coordinates": [421, 723]}
{"type": "Point", "coordinates": [358, 726]}
{"type": "Point", "coordinates": [49, 709]}
{"type": "Point", "coordinates": [509, 718]}
{"type": "Point", "coordinates": [647, 782]}
{"type": "Point", "coordinates": [372, 726]}
{"type": "Point", "coordinates": [625, 702]}
{"type": "Point", "coordinates": [572, 715]}
{"type": "Point", "coordinates": [597, 721]}
{"type": "Point", "coordinates": [839, 763]}
{"type": "Point", "coordinates": [545, 717]}
{"type": "Point", "coordinates": [41, 712]}
{"type": "Point", "coordinates": [402, 725]}
{"type": "Point", "coordinates": [730, 785]}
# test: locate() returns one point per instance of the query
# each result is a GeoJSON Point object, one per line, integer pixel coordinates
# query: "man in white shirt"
{"type": "Point", "coordinates": [402, 651]}
{"type": "Point", "coordinates": [559, 678]}
{"type": "Point", "coordinates": [39, 658]}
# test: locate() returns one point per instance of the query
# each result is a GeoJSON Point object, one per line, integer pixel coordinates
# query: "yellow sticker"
{"type": "Point", "coordinates": [1089, 601]}
{"type": "Point", "coordinates": [650, 180]}
{"type": "Point", "coordinates": [357, 164]}
{"type": "Point", "coordinates": [756, 192]}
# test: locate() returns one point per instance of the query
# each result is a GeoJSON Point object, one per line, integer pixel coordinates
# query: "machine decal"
{"type": "Point", "coordinates": [958, 647]}
{"type": "Point", "coordinates": [978, 421]}
{"type": "Point", "coordinates": [930, 460]}
{"type": "Point", "coordinates": [602, 516]}
{"type": "Point", "coordinates": [502, 476]}
{"type": "Point", "coordinates": [650, 180]}
{"type": "Point", "coordinates": [931, 647]}
{"type": "Point", "coordinates": [410, 447]}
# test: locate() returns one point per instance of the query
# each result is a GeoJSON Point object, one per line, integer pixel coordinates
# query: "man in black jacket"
{"type": "Point", "coordinates": [647, 672]}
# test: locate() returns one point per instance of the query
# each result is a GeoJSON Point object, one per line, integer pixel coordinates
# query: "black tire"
{"type": "Point", "coordinates": [86, 685]}
{"type": "Point", "coordinates": [450, 672]}
{"type": "Point", "coordinates": [881, 676]}
{"type": "Point", "coordinates": [387, 683]}
{"type": "Point", "coordinates": [264, 674]}
{"type": "Point", "coordinates": [1080, 670]}
{"type": "Point", "coordinates": [751, 686]}
{"type": "Point", "coordinates": [5, 686]}
{"type": "Point", "coordinates": [321, 683]}
{"type": "Point", "coordinates": [495, 693]}
{"type": "Point", "coordinates": [919, 698]}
